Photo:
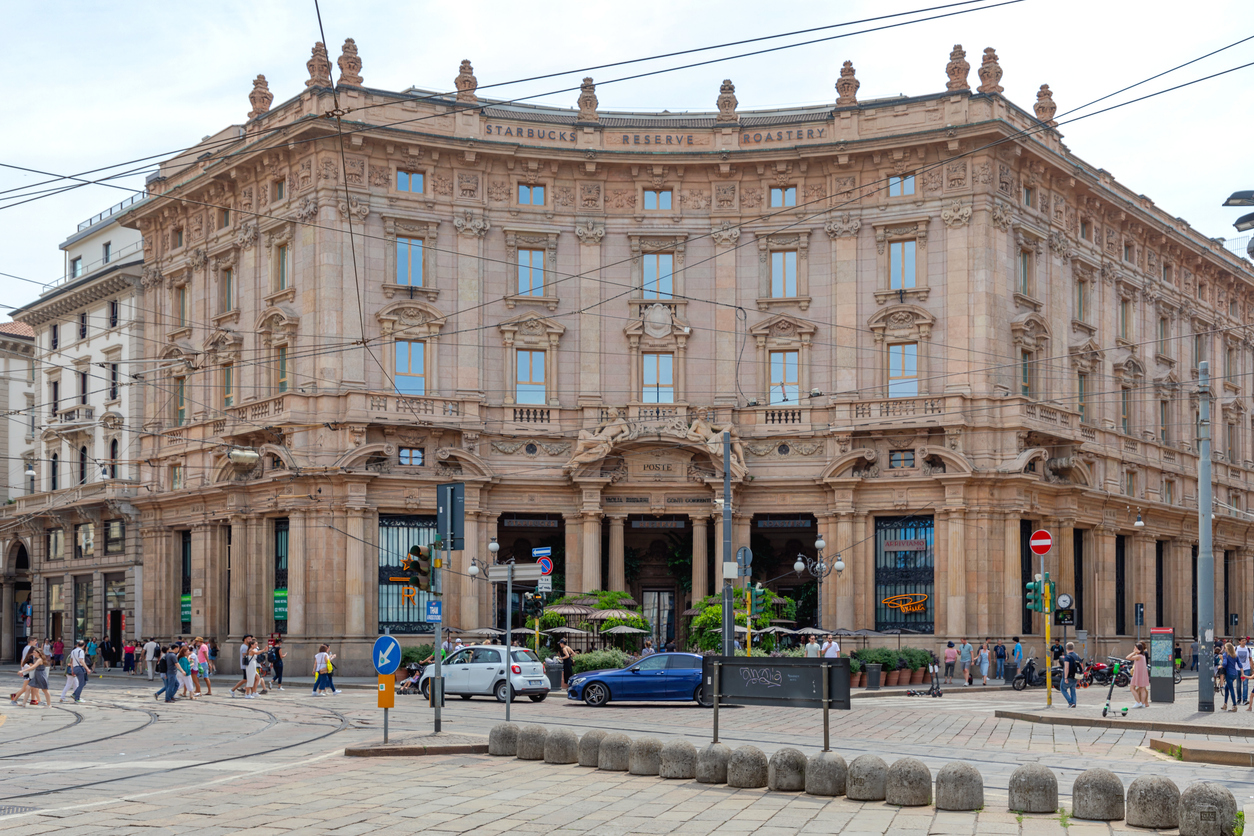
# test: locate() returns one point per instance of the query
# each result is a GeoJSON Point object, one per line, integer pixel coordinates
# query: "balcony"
{"type": "Point", "coordinates": [100, 491]}
{"type": "Point", "coordinates": [101, 217]}
{"type": "Point", "coordinates": [77, 414]}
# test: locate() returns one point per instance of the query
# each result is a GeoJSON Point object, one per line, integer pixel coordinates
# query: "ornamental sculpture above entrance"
{"type": "Point", "coordinates": [700, 433]}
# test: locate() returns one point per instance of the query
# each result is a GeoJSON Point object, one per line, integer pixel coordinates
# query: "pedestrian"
{"type": "Point", "coordinates": [951, 657]}
{"type": "Point", "coordinates": [831, 647]}
{"type": "Point", "coordinates": [58, 652]}
{"type": "Point", "coordinates": [1193, 651]}
{"type": "Point", "coordinates": [183, 673]}
{"type": "Point", "coordinates": [965, 652]}
{"type": "Point", "coordinates": [1070, 668]}
{"type": "Point", "coordinates": [277, 655]}
{"type": "Point", "coordinates": [670, 646]}
{"type": "Point", "coordinates": [251, 652]}
{"type": "Point", "coordinates": [171, 660]}
{"type": "Point", "coordinates": [1178, 657]}
{"type": "Point", "coordinates": [982, 660]}
{"type": "Point", "coordinates": [82, 668]}
{"type": "Point", "coordinates": [37, 669]}
{"type": "Point", "coordinates": [1243, 661]}
{"type": "Point", "coordinates": [568, 661]}
{"type": "Point", "coordinates": [999, 652]}
{"type": "Point", "coordinates": [202, 665]}
{"type": "Point", "coordinates": [1017, 653]}
{"type": "Point", "coordinates": [46, 649]}
{"type": "Point", "coordinates": [106, 653]}
{"type": "Point", "coordinates": [71, 682]}
{"type": "Point", "coordinates": [322, 670]}
{"type": "Point", "coordinates": [213, 658]}
{"type": "Point", "coordinates": [1140, 677]}
{"type": "Point", "coordinates": [1231, 669]}
{"type": "Point", "coordinates": [1055, 652]}
{"type": "Point", "coordinates": [193, 663]}
{"type": "Point", "coordinates": [152, 653]}
{"type": "Point", "coordinates": [812, 647]}
{"type": "Point", "coordinates": [25, 690]}
{"type": "Point", "coordinates": [128, 657]}
{"type": "Point", "coordinates": [243, 665]}
{"type": "Point", "coordinates": [92, 650]}
{"type": "Point", "coordinates": [648, 648]}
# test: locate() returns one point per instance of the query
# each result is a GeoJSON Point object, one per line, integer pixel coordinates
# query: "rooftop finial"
{"type": "Point", "coordinates": [588, 101]}
{"type": "Point", "coordinates": [727, 102]}
{"type": "Point", "coordinates": [957, 69]}
{"type": "Point", "coordinates": [466, 83]}
{"type": "Point", "coordinates": [1045, 107]}
{"type": "Point", "coordinates": [990, 73]}
{"type": "Point", "coordinates": [847, 86]}
{"type": "Point", "coordinates": [350, 64]}
{"type": "Point", "coordinates": [260, 97]}
{"type": "Point", "coordinates": [319, 67]}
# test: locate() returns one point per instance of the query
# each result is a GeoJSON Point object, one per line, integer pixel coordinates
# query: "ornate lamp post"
{"type": "Point", "coordinates": [478, 567]}
{"type": "Point", "coordinates": [818, 569]}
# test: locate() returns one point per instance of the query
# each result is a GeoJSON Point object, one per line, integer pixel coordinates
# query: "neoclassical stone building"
{"type": "Point", "coordinates": [930, 327]}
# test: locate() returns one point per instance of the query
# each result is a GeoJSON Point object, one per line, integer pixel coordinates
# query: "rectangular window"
{"type": "Point", "coordinates": [1125, 318]}
{"type": "Point", "coordinates": [409, 181]}
{"type": "Point", "coordinates": [901, 265]}
{"type": "Point", "coordinates": [54, 335]}
{"type": "Point", "coordinates": [530, 381]}
{"type": "Point", "coordinates": [281, 267]}
{"type": "Point", "coordinates": [82, 387]}
{"type": "Point", "coordinates": [1169, 492]}
{"type": "Point", "coordinates": [228, 290]}
{"type": "Point", "coordinates": [106, 252]}
{"type": "Point", "coordinates": [900, 458]}
{"type": "Point", "coordinates": [224, 218]}
{"type": "Point", "coordinates": [411, 368]}
{"type": "Point", "coordinates": [1081, 392]}
{"type": "Point", "coordinates": [409, 262]}
{"type": "Point", "coordinates": [657, 199]}
{"type": "Point", "coordinates": [76, 267]}
{"type": "Point", "coordinates": [178, 238]}
{"type": "Point", "coordinates": [1199, 346]}
{"type": "Point", "coordinates": [1025, 374]}
{"type": "Point", "coordinates": [783, 197]}
{"type": "Point", "coordinates": [180, 306]}
{"type": "Point", "coordinates": [784, 274]}
{"type": "Point", "coordinates": [82, 325]}
{"type": "Point", "coordinates": [1164, 422]}
{"type": "Point", "coordinates": [1085, 230]}
{"type": "Point", "coordinates": [180, 401]}
{"type": "Point", "coordinates": [55, 397]}
{"type": "Point", "coordinates": [905, 571]}
{"type": "Point", "coordinates": [84, 540]}
{"type": "Point", "coordinates": [785, 383]}
{"type": "Point", "coordinates": [531, 272]}
{"type": "Point", "coordinates": [1127, 252]}
{"type": "Point", "coordinates": [280, 374]}
{"type": "Point", "coordinates": [280, 188]}
{"type": "Point", "coordinates": [413, 456]}
{"type": "Point", "coordinates": [903, 370]}
{"type": "Point", "coordinates": [1232, 308]}
{"type": "Point", "coordinates": [176, 477]}
{"type": "Point", "coordinates": [901, 186]}
{"type": "Point", "coordinates": [55, 539]}
{"type": "Point", "coordinates": [1129, 484]}
{"type": "Point", "coordinates": [1163, 336]}
{"type": "Point", "coordinates": [1230, 362]}
{"type": "Point", "coordinates": [659, 378]}
{"type": "Point", "coordinates": [530, 195]}
{"type": "Point", "coordinates": [1082, 301]}
{"type": "Point", "coordinates": [1125, 410]}
{"type": "Point", "coordinates": [228, 385]}
{"type": "Point", "coordinates": [1166, 272]}
{"type": "Point", "coordinates": [1028, 195]}
{"type": "Point", "coordinates": [115, 313]}
{"type": "Point", "coordinates": [1025, 272]}
{"type": "Point", "coordinates": [115, 536]}
{"type": "Point", "coordinates": [658, 275]}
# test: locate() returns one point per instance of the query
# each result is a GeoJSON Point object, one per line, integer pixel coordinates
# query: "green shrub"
{"type": "Point", "coordinates": [415, 655]}
{"type": "Point", "coordinates": [854, 666]}
{"type": "Point", "coordinates": [601, 660]}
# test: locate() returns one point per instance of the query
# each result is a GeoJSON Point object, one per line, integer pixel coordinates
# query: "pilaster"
{"type": "Point", "coordinates": [297, 561]}
{"type": "Point", "coordinates": [618, 576]}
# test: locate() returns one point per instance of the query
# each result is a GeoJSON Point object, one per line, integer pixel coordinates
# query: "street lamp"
{"type": "Point", "coordinates": [493, 548]}
{"type": "Point", "coordinates": [819, 570]}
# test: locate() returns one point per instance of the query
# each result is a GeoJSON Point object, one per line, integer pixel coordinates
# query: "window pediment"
{"type": "Point", "coordinates": [276, 321]}
{"type": "Point", "coordinates": [659, 325]}
{"type": "Point", "coordinates": [907, 322]}
{"type": "Point", "coordinates": [1128, 367]}
{"type": "Point", "coordinates": [897, 229]}
{"type": "Point", "coordinates": [1030, 330]}
{"type": "Point", "coordinates": [413, 317]}
{"type": "Point", "coordinates": [782, 330]}
{"type": "Point", "coordinates": [658, 242]}
{"type": "Point", "coordinates": [530, 330]}
{"type": "Point", "coordinates": [223, 345]}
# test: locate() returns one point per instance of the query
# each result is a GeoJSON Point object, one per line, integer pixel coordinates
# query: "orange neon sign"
{"type": "Point", "coordinates": [911, 602]}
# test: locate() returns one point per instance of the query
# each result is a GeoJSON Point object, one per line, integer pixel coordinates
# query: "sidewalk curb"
{"type": "Point", "coordinates": [900, 691]}
{"type": "Point", "coordinates": [1138, 725]}
{"type": "Point", "coordinates": [1204, 751]}
{"type": "Point", "coordinates": [410, 750]}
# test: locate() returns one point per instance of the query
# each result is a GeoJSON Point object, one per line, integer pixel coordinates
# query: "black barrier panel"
{"type": "Point", "coordinates": [748, 680]}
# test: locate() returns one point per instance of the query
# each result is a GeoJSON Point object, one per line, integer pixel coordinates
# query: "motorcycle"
{"type": "Point", "coordinates": [1031, 676]}
{"type": "Point", "coordinates": [1099, 673]}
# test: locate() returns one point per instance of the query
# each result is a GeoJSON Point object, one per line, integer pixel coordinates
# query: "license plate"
{"type": "Point", "coordinates": [535, 683]}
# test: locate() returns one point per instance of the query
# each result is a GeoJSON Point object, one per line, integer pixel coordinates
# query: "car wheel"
{"type": "Point", "coordinates": [464, 696]}
{"type": "Point", "coordinates": [425, 688]}
{"type": "Point", "coordinates": [699, 696]}
{"type": "Point", "coordinates": [537, 697]}
{"type": "Point", "coordinates": [596, 694]}
{"type": "Point", "coordinates": [503, 692]}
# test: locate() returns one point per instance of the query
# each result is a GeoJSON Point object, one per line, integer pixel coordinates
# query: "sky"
{"type": "Point", "coordinates": [90, 86]}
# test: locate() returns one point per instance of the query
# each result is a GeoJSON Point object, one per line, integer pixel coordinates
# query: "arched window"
{"type": "Point", "coordinates": [113, 459]}
{"type": "Point", "coordinates": [56, 463]}
{"type": "Point", "coordinates": [82, 465]}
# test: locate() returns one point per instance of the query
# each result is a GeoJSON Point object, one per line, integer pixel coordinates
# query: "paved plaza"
{"type": "Point", "coordinates": [122, 763]}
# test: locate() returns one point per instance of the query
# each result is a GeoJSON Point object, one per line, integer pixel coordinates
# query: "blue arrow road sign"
{"type": "Point", "coordinates": [542, 551]}
{"type": "Point", "coordinates": [386, 655]}
{"type": "Point", "coordinates": [435, 612]}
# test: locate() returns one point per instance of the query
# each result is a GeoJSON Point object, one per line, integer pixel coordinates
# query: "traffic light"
{"type": "Point", "coordinates": [1035, 591]}
{"type": "Point", "coordinates": [759, 600]}
{"type": "Point", "coordinates": [533, 603]}
{"type": "Point", "coordinates": [419, 563]}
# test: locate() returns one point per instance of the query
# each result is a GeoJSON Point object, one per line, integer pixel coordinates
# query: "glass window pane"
{"type": "Point", "coordinates": [664, 200]}
{"type": "Point", "coordinates": [650, 200]}
{"type": "Point", "coordinates": [537, 195]}
{"type": "Point", "coordinates": [402, 261]}
{"type": "Point", "coordinates": [777, 274]}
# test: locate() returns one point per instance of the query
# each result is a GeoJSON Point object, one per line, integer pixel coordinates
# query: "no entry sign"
{"type": "Point", "coordinates": [1042, 541]}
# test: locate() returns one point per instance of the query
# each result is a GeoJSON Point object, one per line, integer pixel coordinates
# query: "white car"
{"type": "Point", "coordinates": [481, 671]}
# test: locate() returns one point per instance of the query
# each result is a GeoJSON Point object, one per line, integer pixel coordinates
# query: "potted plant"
{"type": "Point", "coordinates": [892, 666]}
{"type": "Point", "coordinates": [928, 661]}
{"type": "Point", "coordinates": [917, 660]}
{"type": "Point", "coordinates": [855, 673]}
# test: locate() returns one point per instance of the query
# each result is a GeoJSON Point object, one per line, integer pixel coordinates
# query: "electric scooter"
{"type": "Point", "coordinates": [1114, 675]}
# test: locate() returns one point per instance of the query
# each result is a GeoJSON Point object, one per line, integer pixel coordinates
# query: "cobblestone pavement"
{"type": "Point", "coordinates": [123, 763]}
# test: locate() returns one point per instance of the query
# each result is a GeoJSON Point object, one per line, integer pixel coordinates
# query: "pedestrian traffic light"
{"type": "Point", "coordinates": [759, 600]}
{"type": "Point", "coordinates": [1035, 590]}
{"type": "Point", "coordinates": [419, 563]}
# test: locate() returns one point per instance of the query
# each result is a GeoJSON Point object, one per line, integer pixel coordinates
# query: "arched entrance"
{"type": "Point", "coordinates": [20, 606]}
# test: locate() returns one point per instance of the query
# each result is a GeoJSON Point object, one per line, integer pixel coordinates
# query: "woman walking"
{"type": "Point", "coordinates": [184, 673]}
{"type": "Point", "coordinates": [322, 671]}
{"type": "Point", "coordinates": [983, 661]}
{"type": "Point", "coordinates": [1230, 667]}
{"type": "Point", "coordinates": [213, 658]}
{"type": "Point", "coordinates": [36, 668]}
{"type": "Point", "coordinates": [202, 665]}
{"type": "Point", "coordinates": [1140, 676]}
{"type": "Point", "coordinates": [250, 671]}
{"type": "Point", "coordinates": [128, 657]}
{"type": "Point", "coordinates": [951, 658]}
{"type": "Point", "coordinates": [277, 655]}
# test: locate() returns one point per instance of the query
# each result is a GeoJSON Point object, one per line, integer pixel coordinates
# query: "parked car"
{"type": "Point", "coordinates": [662, 676]}
{"type": "Point", "coordinates": [480, 671]}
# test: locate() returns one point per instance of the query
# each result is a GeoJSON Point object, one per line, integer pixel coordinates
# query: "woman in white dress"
{"type": "Point", "coordinates": [250, 690]}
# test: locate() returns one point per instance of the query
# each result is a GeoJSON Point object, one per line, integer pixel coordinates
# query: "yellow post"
{"type": "Point", "coordinates": [1049, 660]}
{"type": "Point", "coordinates": [748, 621]}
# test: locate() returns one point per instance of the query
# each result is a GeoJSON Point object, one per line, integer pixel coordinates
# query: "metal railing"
{"type": "Point", "coordinates": [111, 211]}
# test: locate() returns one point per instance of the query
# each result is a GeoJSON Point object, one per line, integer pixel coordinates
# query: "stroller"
{"type": "Point", "coordinates": [409, 685]}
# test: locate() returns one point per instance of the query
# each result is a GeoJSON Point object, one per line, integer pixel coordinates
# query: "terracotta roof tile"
{"type": "Point", "coordinates": [17, 329]}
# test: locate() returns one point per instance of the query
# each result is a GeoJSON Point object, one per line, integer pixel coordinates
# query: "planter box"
{"type": "Point", "coordinates": [892, 678]}
{"type": "Point", "coordinates": [916, 677]}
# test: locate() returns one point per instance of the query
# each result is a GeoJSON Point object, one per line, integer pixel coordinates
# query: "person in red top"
{"type": "Point", "coordinates": [58, 651]}
{"type": "Point", "coordinates": [128, 657]}
{"type": "Point", "coordinates": [951, 658]}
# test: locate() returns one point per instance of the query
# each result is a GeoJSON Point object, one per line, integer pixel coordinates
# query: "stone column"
{"type": "Point", "coordinates": [471, 271]}
{"type": "Point", "coordinates": [863, 565]}
{"type": "Point", "coordinates": [1012, 572]}
{"type": "Point", "coordinates": [1063, 556]}
{"type": "Point", "coordinates": [964, 314]}
{"type": "Point", "coordinates": [844, 614]}
{"type": "Point", "coordinates": [296, 565]}
{"type": "Point", "coordinates": [1103, 597]}
{"type": "Point", "coordinates": [574, 553]}
{"type": "Point", "coordinates": [844, 255]}
{"type": "Point", "coordinates": [1221, 615]}
{"type": "Point", "coordinates": [725, 345]}
{"type": "Point", "coordinates": [618, 566]}
{"type": "Point", "coordinates": [260, 549]}
{"type": "Point", "coordinates": [202, 586]}
{"type": "Point", "coordinates": [7, 637]}
{"type": "Point", "coordinates": [591, 551]}
{"type": "Point", "coordinates": [239, 576]}
{"type": "Point", "coordinates": [700, 558]}
{"type": "Point", "coordinates": [956, 572]}
{"type": "Point", "coordinates": [589, 294]}
{"type": "Point", "coordinates": [355, 574]}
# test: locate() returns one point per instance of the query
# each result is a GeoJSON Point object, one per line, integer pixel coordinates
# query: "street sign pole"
{"type": "Point", "coordinates": [729, 616]}
{"type": "Point", "coordinates": [386, 656]}
{"type": "Point", "coordinates": [1042, 542]}
{"type": "Point", "coordinates": [509, 635]}
{"type": "Point", "coordinates": [1204, 630]}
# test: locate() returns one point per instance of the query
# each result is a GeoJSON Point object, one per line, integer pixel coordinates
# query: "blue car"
{"type": "Point", "coordinates": [661, 676]}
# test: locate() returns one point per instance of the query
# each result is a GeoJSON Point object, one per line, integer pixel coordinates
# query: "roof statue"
{"type": "Point", "coordinates": [990, 73]}
{"type": "Point", "coordinates": [350, 64]}
{"type": "Point", "coordinates": [1045, 107]}
{"type": "Point", "coordinates": [847, 86]}
{"type": "Point", "coordinates": [466, 83]}
{"type": "Point", "coordinates": [588, 101]}
{"type": "Point", "coordinates": [727, 102]}
{"type": "Point", "coordinates": [260, 98]}
{"type": "Point", "coordinates": [957, 69]}
{"type": "Point", "coordinates": [319, 67]}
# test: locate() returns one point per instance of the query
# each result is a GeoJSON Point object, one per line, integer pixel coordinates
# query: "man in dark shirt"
{"type": "Point", "coordinates": [171, 676]}
{"type": "Point", "coordinates": [999, 651]}
{"type": "Point", "coordinates": [1070, 670]}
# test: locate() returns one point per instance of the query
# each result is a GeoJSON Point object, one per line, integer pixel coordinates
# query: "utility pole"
{"type": "Point", "coordinates": [446, 535]}
{"type": "Point", "coordinates": [1205, 579]}
{"type": "Point", "coordinates": [729, 559]}
{"type": "Point", "coordinates": [509, 636]}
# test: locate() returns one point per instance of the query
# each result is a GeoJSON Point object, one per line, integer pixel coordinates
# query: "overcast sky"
{"type": "Point", "coordinates": [90, 85]}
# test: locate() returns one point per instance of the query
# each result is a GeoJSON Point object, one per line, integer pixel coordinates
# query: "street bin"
{"type": "Point", "coordinates": [553, 668]}
{"type": "Point", "coordinates": [1012, 670]}
{"type": "Point", "coordinates": [873, 677]}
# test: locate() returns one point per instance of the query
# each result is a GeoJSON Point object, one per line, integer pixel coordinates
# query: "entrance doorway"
{"type": "Point", "coordinates": [22, 605]}
{"type": "Point", "coordinates": [659, 611]}
{"type": "Point", "coordinates": [115, 630]}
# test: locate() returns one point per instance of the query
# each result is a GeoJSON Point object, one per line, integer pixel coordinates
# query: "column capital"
{"type": "Point", "coordinates": [615, 519]}
{"type": "Point", "coordinates": [591, 516]}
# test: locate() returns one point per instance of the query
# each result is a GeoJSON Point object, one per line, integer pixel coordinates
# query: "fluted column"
{"type": "Point", "coordinates": [7, 639]}
{"type": "Point", "coordinates": [863, 564]}
{"type": "Point", "coordinates": [296, 562]}
{"type": "Point", "coordinates": [355, 574]}
{"type": "Point", "coordinates": [238, 603]}
{"type": "Point", "coordinates": [591, 551]}
{"type": "Point", "coordinates": [618, 560]}
{"type": "Point", "coordinates": [842, 585]}
{"type": "Point", "coordinates": [956, 572]}
{"type": "Point", "coordinates": [574, 553]}
{"type": "Point", "coordinates": [700, 558]}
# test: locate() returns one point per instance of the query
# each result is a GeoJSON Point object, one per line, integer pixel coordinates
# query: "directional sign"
{"type": "Point", "coordinates": [1042, 541]}
{"type": "Point", "coordinates": [545, 584]}
{"type": "Point", "coordinates": [542, 551]}
{"type": "Point", "coordinates": [435, 612]}
{"type": "Point", "coordinates": [386, 655]}
{"type": "Point", "coordinates": [546, 565]}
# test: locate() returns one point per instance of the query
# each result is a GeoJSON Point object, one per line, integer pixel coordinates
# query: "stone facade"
{"type": "Point", "coordinates": [927, 332]}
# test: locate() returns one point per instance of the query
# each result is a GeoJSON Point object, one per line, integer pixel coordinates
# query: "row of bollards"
{"type": "Point", "coordinates": [1151, 801]}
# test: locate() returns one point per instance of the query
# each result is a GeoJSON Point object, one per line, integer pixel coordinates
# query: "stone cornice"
{"type": "Point", "coordinates": [125, 278]}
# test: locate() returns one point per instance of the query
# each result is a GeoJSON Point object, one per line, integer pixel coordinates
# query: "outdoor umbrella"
{"type": "Point", "coordinates": [569, 609]}
{"type": "Point", "coordinates": [484, 631]}
{"type": "Point", "coordinates": [606, 615]}
{"type": "Point", "coordinates": [690, 613]}
{"type": "Point", "coordinates": [621, 630]}
{"type": "Point", "coordinates": [810, 631]}
{"type": "Point", "coordinates": [568, 631]}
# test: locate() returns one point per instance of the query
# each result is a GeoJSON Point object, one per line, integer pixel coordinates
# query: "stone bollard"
{"type": "Point", "coordinates": [531, 743]}
{"type": "Point", "coordinates": [1033, 789]}
{"type": "Point", "coordinates": [747, 768]}
{"type": "Point", "coordinates": [615, 753]}
{"type": "Point", "coordinates": [1153, 801]}
{"type": "Point", "coordinates": [866, 779]}
{"type": "Point", "coordinates": [786, 771]}
{"type": "Point", "coordinates": [1097, 794]}
{"type": "Point", "coordinates": [825, 774]}
{"type": "Point", "coordinates": [712, 764]}
{"type": "Point", "coordinates": [561, 746]}
{"type": "Point", "coordinates": [1207, 809]}
{"type": "Point", "coordinates": [503, 740]}
{"type": "Point", "coordinates": [679, 760]}
{"type": "Point", "coordinates": [645, 757]}
{"type": "Point", "coordinates": [590, 748]}
{"type": "Point", "coordinates": [959, 786]}
{"type": "Point", "coordinates": [909, 783]}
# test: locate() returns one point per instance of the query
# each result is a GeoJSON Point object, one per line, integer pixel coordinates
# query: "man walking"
{"type": "Point", "coordinates": [171, 677]}
{"type": "Point", "coordinates": [1070, 669]}
{"type": "Point", "coordinates": [1193, 650]}
{"type": "Point", "coordinates": [965, 652]}
{"type": "Point", "coordinates": [151, 649]}
{"type": "Point", "coordinates": [812, 648]}
{"type": "Point", "coordinates": [1243, 662]}
{"type": "Point", "coordinates": [1017, 652]}
{"type": "Point", "coordinates": [80, 666]}
{"type": "Point", "coordinates": [243, 667]}
{"type": "Point", "coordinates": [999, 651]}
{"type": "Point", "coordinates": [831, 647]}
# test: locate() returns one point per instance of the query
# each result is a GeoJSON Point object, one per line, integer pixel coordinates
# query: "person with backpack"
{"type": "Point", "coordinates": [162, 671]}
{"type": "Point", "coordinates": [999, 651]}
{"type": "Point", "coordinates": [277, 655]}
